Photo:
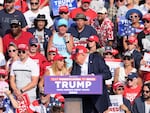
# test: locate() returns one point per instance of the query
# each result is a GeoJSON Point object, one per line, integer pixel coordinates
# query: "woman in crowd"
{"type": "Point", "coordinates": [135, 25]}
{"type": "Point", "coordinates": [62, 41]}
{"type": "Point", "coordinates": [58, 68]}
{"type": "Point", "coordinates": [13, 54]}
{"type": "Point", "coordinates": [122, 72]}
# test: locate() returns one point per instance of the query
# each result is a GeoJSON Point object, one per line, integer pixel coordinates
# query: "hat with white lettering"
{"type": "Point", "coordinates": [23, 47]}
{"type": "Point", "coordinates": [15, 21]}
{"type": "Point", "coordinates": [63, 9]}
{"type": "Point", "coordinates": [3, 72]}
{"type": "Point", "coordinates": [117, 84]}
{"type": "Point", "coordinates": [58, 57]}
{"type": "Point", "coordinates": [78, 50]}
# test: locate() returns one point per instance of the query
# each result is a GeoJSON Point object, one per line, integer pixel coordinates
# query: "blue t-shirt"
{"type": "Point", "coordinates": [5, 19]}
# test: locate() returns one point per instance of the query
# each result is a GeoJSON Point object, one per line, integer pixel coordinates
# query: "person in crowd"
{"type": "Point", "coordinates": [35, 55]}
{"type": "Point", "coordinates": [133, 28]}
{"type": "Point", "coordinates": [81, 32]}
{"type": "Point", "coordinates": [50, 57]}
{"type": "Point", "coordinates": [84, 9]}
{"type": "Point", "coordinates": [1, 4]}
{"type": "Point", "coordinates": [9, 13]}
{"type": "Point", "coordinates": [57, 109]}
{"type": "Point", "coordinates": [24, 74]}
{"type": "Point", "coordinates": [132, 89]}
{"type": "Point", "coordinates": [127, 6]}
{"type": "Point", "coordinates": [2, 57]}
{"type": "Point", "coordinates": [58, 68]}
{"type": "Point", "coordinates": [142, 103]}
{"type": "Point", "coordinates": [32, 13]}
{"type": "Point", "coordinates": [41, 32]}
{"type": "Point", "coordinates": [103, 26]}
{"type": "Point", "coordinates": [89, 64]}
{"type": "Point", "coordinates": [144, 35]}
{"type": "Point", "coordinates": [145, 8]}
{"type": "Point", "coordinates": [118, 89]}
{"type": "Point", "coordinates": [109, 52]}
{"type": "Point", "coordinates": [63, 13]}
{"type": "Point", "coordinates": [62, 40]}
{"type": "Point", "coordinates": [13, 54]}
{"type": "Point", "coordinates": [16, 35]}
{"type": "Point", "coordinates": [5, 106]}
{"type": "Point", "coordinates": [21, 5]}
{"type": "Point", "coordinates": [47, 102]}
{"type": "Point", "coordinates": [93, 44]}
{"type": "Point", "coordinates": [122, 72]}
{"type": "Point", "coordinates": [132, 49]}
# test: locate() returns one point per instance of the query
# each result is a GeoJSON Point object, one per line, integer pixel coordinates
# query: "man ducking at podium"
{"type": "Point", "coordinates": [91, 64]}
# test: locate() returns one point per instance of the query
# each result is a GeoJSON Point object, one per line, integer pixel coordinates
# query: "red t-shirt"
{"type": "Point", "coordinates": [40, 60]}
{"type": "Point", "coordinates": [21, 5]}
{"type": "Point", "coordinates": [23, 39]}
{"type": "Point", "coordinates": [131, 94]}
{"type": "Point", "coordinates": [90, 14]}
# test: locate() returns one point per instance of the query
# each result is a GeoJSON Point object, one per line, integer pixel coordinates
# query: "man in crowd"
{"type": "Point", "coordinates": [24, 74]}
{"type": "Point", "coordinates": [31, 14]}
{"type": "Point", "coordinates": [87, 64]}
{"type": "Point", "coordinates": [9, 13]}
{"type": "Point", "coordinates": [103, 26]}
{"type": "Point", "coordinates": [16, 35]}
{"type": "Point", "coordinates": [81, 31]}
{"type": "Point", "coordinates": [85, 9]}
{"type": "Point", "coordinates": [142, 104]}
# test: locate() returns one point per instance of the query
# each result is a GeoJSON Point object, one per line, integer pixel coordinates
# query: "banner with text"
{"type": "Point", "coordinates": [55, 4]}
{"type": "Point", "coordinates": [73, 84]}
{"type": "Point", "coordinates": [146, 58]}
{"type": "Point", "coordinates": [116, 101]}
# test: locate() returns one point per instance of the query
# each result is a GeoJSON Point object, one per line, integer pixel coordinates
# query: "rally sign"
{"type": "Point", "coordinates": [73, 84]}
{"type": "Point", "coordinates": [146, 66]}
{"type": "Point", "coordinates": [55, 4]}
{"type": "Point", "coordinates": [116, 101]}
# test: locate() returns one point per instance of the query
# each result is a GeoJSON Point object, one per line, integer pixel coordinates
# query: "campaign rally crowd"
{"type": "Point", "coordinates": [108, 38]}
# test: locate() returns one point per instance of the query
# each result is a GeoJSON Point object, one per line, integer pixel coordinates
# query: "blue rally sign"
{"type": "Point", "coordinates": [55, 4]}
{"type": "Point", "coordinates": [73, 84]}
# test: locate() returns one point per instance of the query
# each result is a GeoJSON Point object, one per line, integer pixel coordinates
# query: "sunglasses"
{"type": "Point", "coordinates": [2, 76]}
{"type": "Point", "coordinates": [129, 79]}
{"type": "Point", "coordinates": [52, 53]}
{"type": "Point", "coordinates": [9, 51]}
{"type": "Point", "coordinates": [108, 53]}
{"type": "Point", "coordinates": [63, 13]}
{"type": "Point", "coordinates": [127, 58]}
{"type": "Point", "coordinates": [131, 16]}
{"type": "Point", "coordinates": [146, 21]}
{"type": "Point", "coordinates": [42, 94]}
{"type": "Point", "coordinates": [120, 88]}
{"type": "Point", "coordinates": [14, 26]}
{"type": "Point", "coordinates": [21, 51]}
{"type": "Point", "coordinates": [145, 91]}
{"type": "Point", "coordinates": [33, 45]}
{"type": "Point", "coordinates": [34, 3]}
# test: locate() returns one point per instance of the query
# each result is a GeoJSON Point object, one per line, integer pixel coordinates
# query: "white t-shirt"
{"type": "Point", "coordinates": [84, 67]}
{"type": "Point", "coordinates": [30, 16]}
{"type": "Point", "coordinates": [147, 108]}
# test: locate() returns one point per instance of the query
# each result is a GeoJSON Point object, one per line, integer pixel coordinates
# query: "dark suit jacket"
{"type": "Point", "coordinates": [139, 106]}
{"type": "Point", "coordinates": [137, 58]}
{"type": "Point", "coordinates": [96, 66]}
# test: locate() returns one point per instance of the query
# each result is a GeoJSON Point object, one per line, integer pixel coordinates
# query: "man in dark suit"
{"type": "Point", "coordinates": [91, 64]}
{"type": "Point", "coordinates": [142, 104]}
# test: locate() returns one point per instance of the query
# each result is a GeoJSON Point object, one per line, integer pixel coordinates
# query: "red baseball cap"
{"type": "Point", "coordinates": [53, 49]}
{"type": "Point", "coordinates": [3, 72]}
{"type": "Point", "coordinates": [93, 38]}
{"type": "Point", "coordinates": [115, 52]}
{"type": "Point", "coordinates": [146, 17]}
{"type": "Point", "coordinates": [78, 50]}
{"type": "Point", "coordinates": [117, 84]}
{"type": "Point", "coordinates": [58, 57]}
{"type": "Point", "coordinates": [63, 9]}
{"type": "Point", "coordinates": [132, 40]}
{"type": "Point", "coordinates": [87, 1]}
{"type": "Point", "coordinates": [23, 47]}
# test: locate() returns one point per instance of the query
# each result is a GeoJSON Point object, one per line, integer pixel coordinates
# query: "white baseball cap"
{"type": "Point", "coordinates": [102, 10]}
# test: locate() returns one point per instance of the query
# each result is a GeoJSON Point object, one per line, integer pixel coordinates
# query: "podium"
{"type": "Point", "coordinates": [73, 105]}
